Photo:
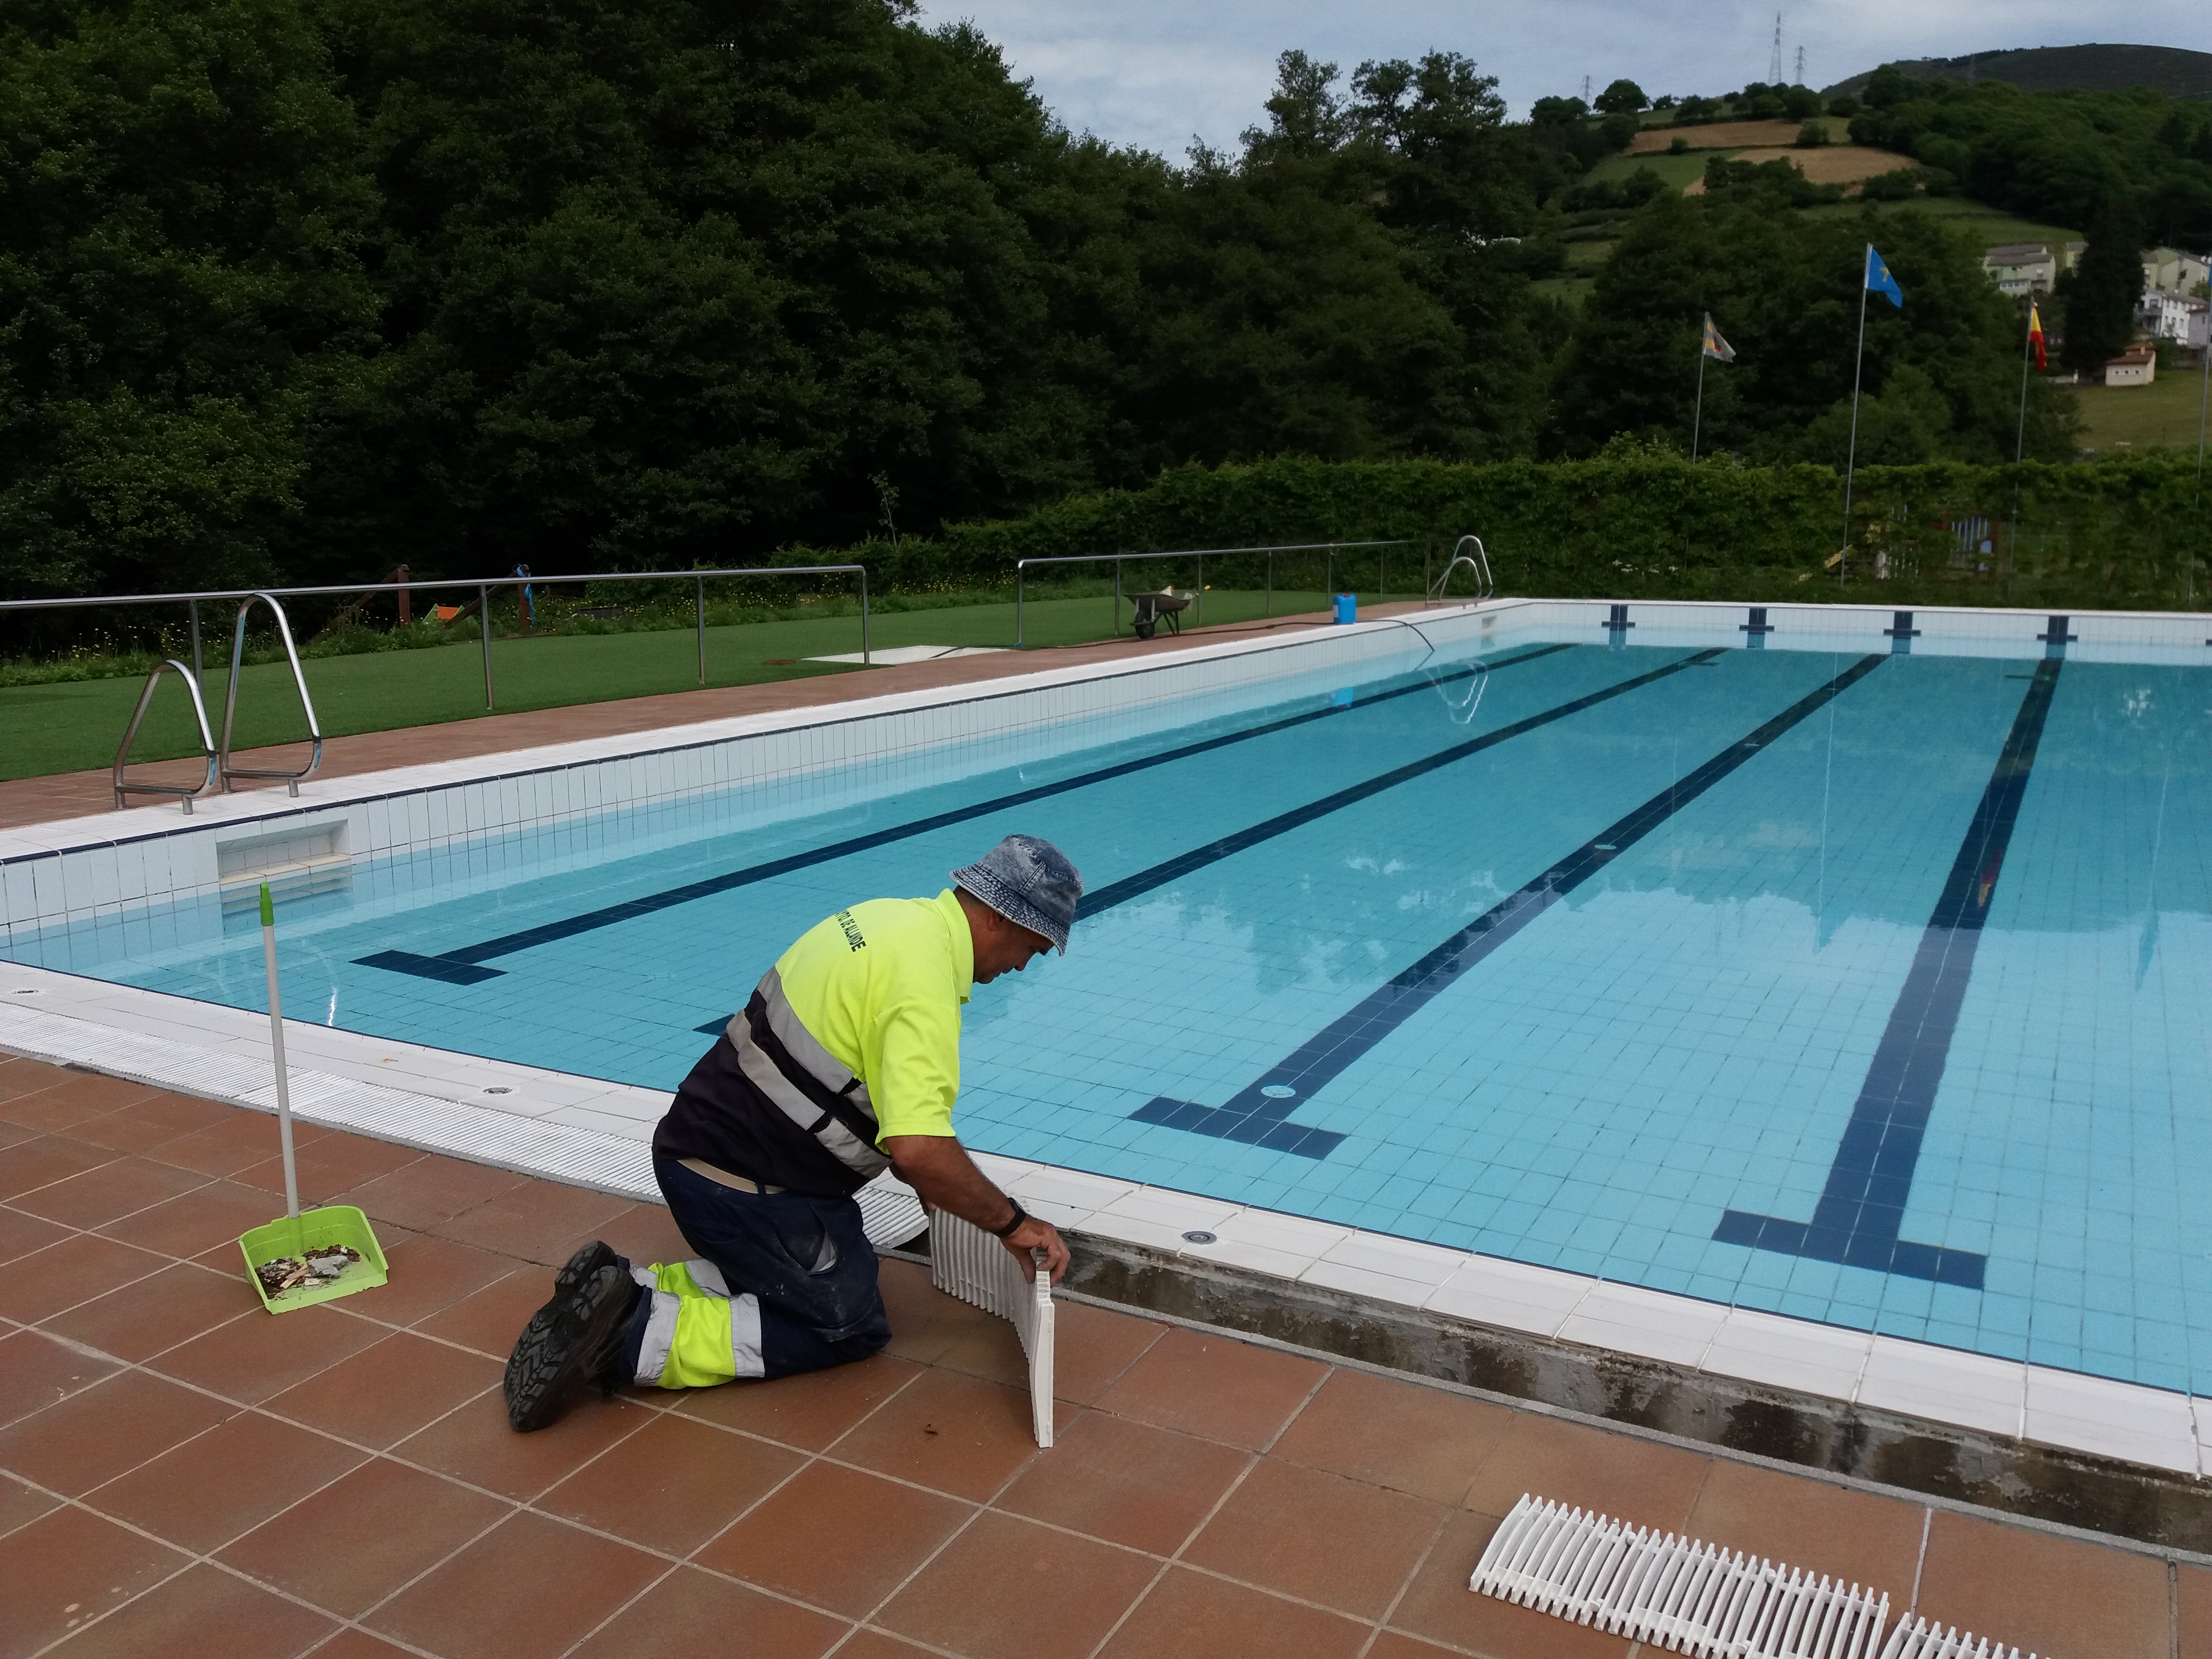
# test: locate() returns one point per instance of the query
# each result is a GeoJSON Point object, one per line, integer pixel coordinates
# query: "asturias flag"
{"type": "Point", "coordinates": [1878, 281]}
{"type": "Point", "coordinates": [2035, 335]}
{"type": "Point", "coordinates": [1715, 346]}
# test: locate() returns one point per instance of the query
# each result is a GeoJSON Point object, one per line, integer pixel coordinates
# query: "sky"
{"type": "Point", "coordinates": [1158, 73]}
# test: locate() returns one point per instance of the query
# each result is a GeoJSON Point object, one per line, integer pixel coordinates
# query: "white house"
{"type": "Point", "coordinates": [2021, 268]}
{"type": "Point", "coordinates": [2172, 272]}
{"type": "Point", "coordinates": [2136, 366]}
{"type": "Point", "coordinates": [2175, 317]}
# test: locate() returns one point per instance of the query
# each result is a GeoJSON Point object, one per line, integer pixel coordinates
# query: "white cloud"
{"type": "Point", "coordinates": [1157, 72]}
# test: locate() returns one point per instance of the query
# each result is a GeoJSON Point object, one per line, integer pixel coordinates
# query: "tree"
{"type": "Point", "coordinates": [2107, 286]}
{"type": "Point", "coordinates": [1623, 97]}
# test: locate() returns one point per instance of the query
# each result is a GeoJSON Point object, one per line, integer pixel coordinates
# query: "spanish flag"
{"type": "Point", "coordinates": [2035, 335]}
{"type": "Point", "coordinates": [1715, 346]}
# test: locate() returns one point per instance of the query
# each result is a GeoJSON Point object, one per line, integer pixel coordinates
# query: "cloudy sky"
{"type": "Point", "coordinates": [1156, 73]}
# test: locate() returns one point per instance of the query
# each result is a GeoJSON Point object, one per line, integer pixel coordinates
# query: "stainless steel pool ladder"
{"type": "Point", "coordinates": [1478, 562]}
{"type": "Point", "coordinates": [224, 771]}
{"type": "Point", "coordinates": [184, 796]}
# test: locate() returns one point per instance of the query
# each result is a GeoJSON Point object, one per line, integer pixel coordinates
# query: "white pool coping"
{"type": "Point", "coordinates": [593, 1133]}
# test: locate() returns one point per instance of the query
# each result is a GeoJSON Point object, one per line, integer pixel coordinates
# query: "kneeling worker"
{"type": "Point", "coordinates": [845, 1063]}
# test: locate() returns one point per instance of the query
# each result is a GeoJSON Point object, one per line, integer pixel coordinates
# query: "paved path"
{"type": "Point", "coordinates": [182, 1474]}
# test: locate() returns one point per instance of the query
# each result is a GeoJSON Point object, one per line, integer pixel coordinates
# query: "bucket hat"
{"type": "Point", "coordinates": [1030, 883]}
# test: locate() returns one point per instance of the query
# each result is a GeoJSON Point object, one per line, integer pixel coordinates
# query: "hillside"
{"type": "Point", "coordinates": [2174, 70]}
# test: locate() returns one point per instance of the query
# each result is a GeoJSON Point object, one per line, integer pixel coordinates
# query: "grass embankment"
{"type": "Point", "coordinates": [2162, 414]}
{"type": "Point", "coordinates": [75, 725]}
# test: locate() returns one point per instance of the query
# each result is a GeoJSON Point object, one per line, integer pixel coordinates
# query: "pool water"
{"type": "Point", "coordinates": [1866, 989]}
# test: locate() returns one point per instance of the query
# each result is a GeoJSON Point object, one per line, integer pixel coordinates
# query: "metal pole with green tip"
{"type": "Point", "coordinates": [277, 1041]}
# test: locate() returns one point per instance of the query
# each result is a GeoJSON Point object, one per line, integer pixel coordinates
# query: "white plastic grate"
{"type": "Point", "coordinates": [1675, 1593]}
{"type": "Point", "coordinates": [1916, 1638]}
{"type": "Point", "coordinates": [966, 1261]}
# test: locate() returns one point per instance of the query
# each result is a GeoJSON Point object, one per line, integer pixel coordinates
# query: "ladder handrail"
{"type": "Point", "coordinates": [1478, 562]}
{"type": "Point", "coordinates": [225, 770]}
{"type": "Point", "coordinates": [184, 797]}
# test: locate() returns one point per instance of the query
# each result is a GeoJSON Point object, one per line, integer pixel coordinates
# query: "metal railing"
{"type": "Point", "coordinates": [483, 591]}
{"type": "Point", "coordinates": [224, 770]}
{"type": "Point", "coordinates": [184, 796]}
{"type": "Point", "coordinates": [1201, 553]}
{"type": "Point", "coordinates": [1478, 562]}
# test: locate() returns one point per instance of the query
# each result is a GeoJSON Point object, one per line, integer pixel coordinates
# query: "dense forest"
{"type": "Point", "coordinates": [299, 288]}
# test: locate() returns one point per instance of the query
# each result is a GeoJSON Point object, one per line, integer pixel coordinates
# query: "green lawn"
{"type": "Point", "coordinates": [1677, 170]}
{"type": "Point", "coordinates": [1993, 228]}
{"type": "Point", "coordinates": [75, 725]}
{"type": "Point", "coordinates": [2163, 413]}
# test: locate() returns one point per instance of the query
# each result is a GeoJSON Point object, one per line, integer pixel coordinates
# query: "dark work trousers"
{"type": "Point", "coordinates": [805, 1258]}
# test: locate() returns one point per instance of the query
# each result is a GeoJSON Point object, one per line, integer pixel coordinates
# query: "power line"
{"type": "Point", "coordinates": [1774, 69]}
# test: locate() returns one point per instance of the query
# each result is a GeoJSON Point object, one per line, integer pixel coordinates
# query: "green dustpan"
{"type": "Point", "coordinates": [293, 1232]}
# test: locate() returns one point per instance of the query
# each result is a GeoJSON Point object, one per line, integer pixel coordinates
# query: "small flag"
{"type": "Point", "coordinates": [1715, 346]}
{"type": "Point", "coordinates": [2035, 335]}
{"type": "Point", "coordinates": [1878, 281]}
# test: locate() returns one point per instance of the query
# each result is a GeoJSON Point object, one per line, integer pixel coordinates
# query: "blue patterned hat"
{"type": "Point", "coordinates": [1029, 882]}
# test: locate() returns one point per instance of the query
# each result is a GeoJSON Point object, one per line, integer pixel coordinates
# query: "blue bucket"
{"type": "Point", "coordinates": [1347, 607]}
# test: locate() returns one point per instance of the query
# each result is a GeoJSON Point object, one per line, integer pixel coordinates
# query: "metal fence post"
{"type": "Point", "coordinates": [483, 632]}
{"type": "Point", "coordinates": [1381, 554]}
{"type": "Point", "coordinates": [1018, 563]}
{"type": "Point", "coordinates": [1201, 590]}
{"type": "Point", "coordinates": [864, 615]}
{"type": "Point", "coordinates": [1117, 598]}
{"type": "Point", "coordinates": [199, 669]}
{"type": "Point", "coordinates": [1270, 585]}
{"type": "Point", "coordinates": [701, 586]}
{"type": "Point", "coordinates": [1329, 577]}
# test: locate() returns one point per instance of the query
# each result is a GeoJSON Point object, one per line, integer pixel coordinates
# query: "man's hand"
{"type": "Point", "coordinates": [939, 1168]}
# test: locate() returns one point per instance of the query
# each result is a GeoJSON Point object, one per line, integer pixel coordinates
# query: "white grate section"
{"type": "Point", "coordinates": [1675, 1593]}
{"type": "Point", "coordinates": [966, 1261]}
{"type": "Point", "coordinates": [1916, 1638]}
{"type": "Point", "coordinates": [558, 1151]}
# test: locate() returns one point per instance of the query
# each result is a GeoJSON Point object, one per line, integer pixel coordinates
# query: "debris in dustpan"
{"type": "Point", "coordinates": [316, 1267]}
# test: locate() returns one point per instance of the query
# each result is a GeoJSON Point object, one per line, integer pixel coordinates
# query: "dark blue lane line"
{"type": "Point", "coordinates": [1259, 1114]}
{"type": "Point", "coordinates": [1860, 1218]}
{"type": "Point", "coordinates": [1129, 887]}
{"type": "Point", "coordinates": [461, 966]}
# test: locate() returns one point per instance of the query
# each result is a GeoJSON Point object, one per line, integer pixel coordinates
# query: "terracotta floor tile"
{"type": "Point", "coordinates": [13, 1134]}
{"type": "Point", "coordinates": [75, 1269]}
{"type": "Point", "coordinates": [430, 1191]}
{"type": "Point", "coordinates": [672, 1485]}
{"type": "Point", "coordinates": [146, 1127]}
{"type": "Point", "coordinates": [116, 1189]}
{"type": "Point", "coordinates": [647, 1232]}
{"type": "Point", "coordinates": [20, 1076]}
{"type": "Point", "coordinates": [955, 1434]}
{"type": "Point", "coordinates": [204, 1611]}
{"type": "Point", "coordinates": [20, 1234]}
{"type": "Point", "coordinates": [1128, 1482]}
{"type": "Point", "coordinates": [474, 1444]}
{"type": "Point", "coordinates": [1396, 1645]}
{"type": "Point", "coordinates": [1008, 1588]}
{"type": "Point", "coordinates": [395, 1522]}
{"type": "Point", "coordinates": [207, 1491]}
{"type": "Point", "coordinates": [100, 1432]}
{"type": "Point", "coordinates": [1631, 1479]}
{"type": "Point", "coordinates": [72, 1098]}
{"type": "Point", "coordinates": [21, 1504]}
{"type": "Point", "coordinates": [540, 1222]}
{"type": "Point", "coordinates": [1396, 1434]}
{"type": "Point", "coordinates": [156, 1312]}
{"type": "Point", "coordinates": [238, 1142]}
{"type": "Point", "coordinates": [1214, 1387]}
{"type": "Point", "coordinates": [427, 1275]}
{"type": "Point", "coordinates": [876, 1644]}
{"type": "Point", "coordinates": [925, 1321]}
{"type": "Point", "coordinates": [990, 1352]}
{"type": "Point", "coordinates": [1847, 1534]}
{"type": "Point", "coordinates": [2194, 1585]}
{"type": "Point", "coordinates": [691, 1612]}
{"type": "Point", "coordinates": [388, 1390]}
{"type": "Point", "coordinates": [359, 1644]}
{"type": "Point", "coordinates": [836, 1538]}
{"type": "Point", "coordinates": [528, 1589]}
{"type": "Point", "coordinates": [36, 1372]}
{"type": "Point", "coordinates": [1093, 1347]}
{"type": "Point", "coordinates": [1319, 1537]}
{"type": "Point", "coordinates": [210, 1216]}
{"type": "Point", "coordinates": [337, 1163]}
{"type": "Point", "coordinates": [1189, 1613]}
{"type": "Point", "coordinates": [2041, 1594]}
{"type": "Point", "coordinates": [488, 1319]}
{"type": "Point", "coordinates": [810, 1412]}
{"type": "Point", "coordinates": [29, 1166]}
{"type": "Point", "coordinates": [1438, 1605]}
{"type": "Point", "coordinates": [66, 1569]}
{"type": "Point", "coordinates": [250, 1360]}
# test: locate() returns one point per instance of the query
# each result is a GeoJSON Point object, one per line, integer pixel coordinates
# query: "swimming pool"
{"type": "Point", "coordinates": [1863, 984]}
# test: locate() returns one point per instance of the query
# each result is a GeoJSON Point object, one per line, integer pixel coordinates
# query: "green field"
{"type": "Point", "coordinates": [1992, 228]}
{"type": "Point", "coordinates": [1677, 170]}
{"type": "Point", "coordinates": [74, 726]}
{"type": "Point", "coordinates": [2162, 414]}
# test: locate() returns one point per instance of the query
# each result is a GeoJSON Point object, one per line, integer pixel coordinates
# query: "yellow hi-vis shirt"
{"type": "Point", "coordinates": [880, 986]}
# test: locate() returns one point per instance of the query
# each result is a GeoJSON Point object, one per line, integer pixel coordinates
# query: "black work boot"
{"type": "Point", "coordinates": [557, 1357]}
{"type": "Point", "coordinates": [575, 1273]}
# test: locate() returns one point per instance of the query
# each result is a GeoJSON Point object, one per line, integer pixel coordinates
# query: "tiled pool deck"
{"type": "Point", "coordinates": [186, 1475]}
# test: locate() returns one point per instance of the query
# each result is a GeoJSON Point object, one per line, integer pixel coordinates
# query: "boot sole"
{"type": "Point", "coordinates": [547, 1373]}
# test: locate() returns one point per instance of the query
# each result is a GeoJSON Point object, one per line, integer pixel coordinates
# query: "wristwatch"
{"type": "Point", "coordinates": [1020, 1216]}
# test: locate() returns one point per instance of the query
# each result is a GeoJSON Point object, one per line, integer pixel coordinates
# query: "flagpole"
{"type": "Point", "coordinates": [2019, 448]}
{"type": "Point", "coordinates": [1697, 420]}
{"type": "Point", "coordinates": [2204, 402]}
{"type": "Point", "coordinates": [1850, 465]}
